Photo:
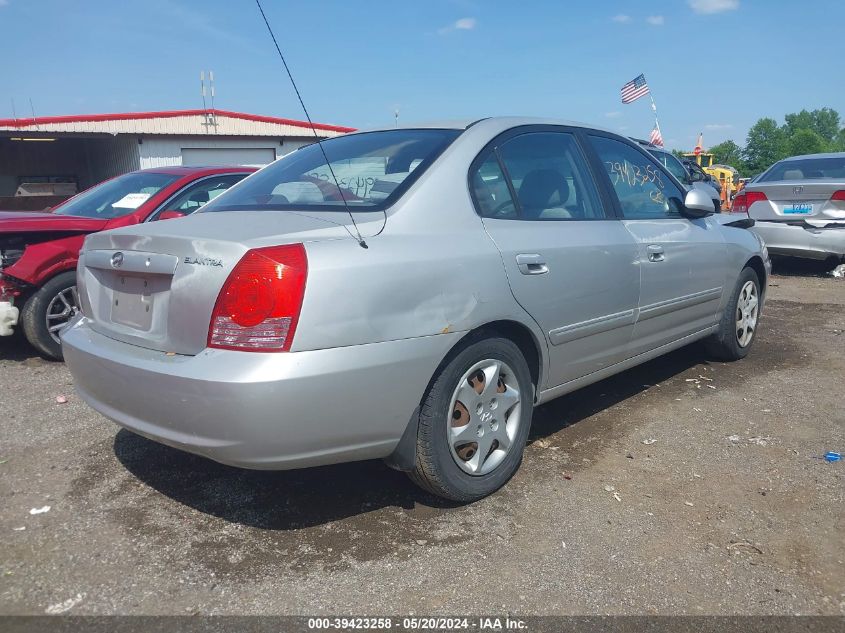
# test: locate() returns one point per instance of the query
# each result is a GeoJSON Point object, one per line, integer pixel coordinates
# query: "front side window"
{"type": "Point", "coordinates": [548, 174]}
{"type": "Point", "coordinates": [116, 197]}
{"type": "Point", "coordinates": [372, 168]}
{"type": "Point", "coordinates": [672, 165]}
{"type": "Point", "coordinates": [644, 192]}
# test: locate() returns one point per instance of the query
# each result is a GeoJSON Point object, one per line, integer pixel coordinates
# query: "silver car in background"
{"type": "Point", "coordinates": [413, 300]}
{"type": "Point", "coordinates": [798, 206]}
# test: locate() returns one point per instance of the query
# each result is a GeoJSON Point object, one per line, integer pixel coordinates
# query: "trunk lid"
{"type": "Point", "coordinates": [155, 285]}
{"type": "Point", "coordinates": [794, 201]}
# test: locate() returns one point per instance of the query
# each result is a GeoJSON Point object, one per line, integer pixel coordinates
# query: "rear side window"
{"type": "Point", "coordinates": [547, 173]}
{"type": "Point", "coordinates": [491, 190]}
{"type": "Point", "coordinates": [644, 192]}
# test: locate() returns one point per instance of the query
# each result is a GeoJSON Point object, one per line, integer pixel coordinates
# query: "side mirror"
{"type": "Point", "coordinates": [697, 204]}
{"type": "Point", "coordinates": [170, 214]}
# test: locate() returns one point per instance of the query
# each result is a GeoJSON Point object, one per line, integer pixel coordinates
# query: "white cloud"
{"type": "Point", "coordinates": [4, 3]}
{"type": "Point", "coordinates": [621, 18]}
{"type": "Point", "coordinates": [612, 115]}
{"type": "Point", "coordinates": [464, 24]}
{"type": "Point", "coordinates": [713, 6]}
{"type": "Point", "coordinates": [655, 20]}
{"type": "Point", "coordinates": [718, 126]}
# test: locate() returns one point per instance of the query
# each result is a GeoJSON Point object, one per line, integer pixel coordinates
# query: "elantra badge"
{"type": "Point", "coordinates": [203, 261]}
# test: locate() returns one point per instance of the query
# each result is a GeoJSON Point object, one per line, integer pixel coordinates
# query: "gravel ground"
{"type": "Point", "coordinates": [681, 486]}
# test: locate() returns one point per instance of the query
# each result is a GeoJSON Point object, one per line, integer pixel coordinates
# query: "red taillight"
{"type": "Point", "coordinates": [742, 203]}
{"type": "Point", "coordinates": [838, 195]}
{"type": "Point", "coordinates": [258, 307]}
{"type": "Point", "coordinates": [754, 196]}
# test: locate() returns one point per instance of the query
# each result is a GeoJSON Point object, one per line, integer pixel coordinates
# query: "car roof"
{"type": "Point", "coordinates": [806, 156]}
{"type": "Point", "coordinates": [177, 170]}
{"type": "Point", "coordinates": [503, 122]}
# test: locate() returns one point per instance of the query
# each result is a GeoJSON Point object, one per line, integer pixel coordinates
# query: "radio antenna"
{"type": "Point", "coordinates": [202, 84]}
{"type": "Point", "coordinates": [359, 238]}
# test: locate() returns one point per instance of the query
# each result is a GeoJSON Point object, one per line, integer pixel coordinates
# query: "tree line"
{"type": "Point", "coordinates": [767, 142]}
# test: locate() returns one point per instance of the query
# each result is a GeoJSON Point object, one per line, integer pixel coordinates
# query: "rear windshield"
{"type": "Point", "coordinates": [806, 169]}
{"type": "Point", "coordinates": [116, 197]}
{"type": "Point", "coordinates": [372, 168]}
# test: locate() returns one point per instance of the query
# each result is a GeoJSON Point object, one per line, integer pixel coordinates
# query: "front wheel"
{"type": "Point", "coordinates": [474, 421]}
{"type": "Point", "coordinates": [47, 311]}
{"type": "Point", "coordinates": [738, 326]}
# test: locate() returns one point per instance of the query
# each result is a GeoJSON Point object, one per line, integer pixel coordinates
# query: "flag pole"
{"type": "Point", "coordinates": [654, 109]}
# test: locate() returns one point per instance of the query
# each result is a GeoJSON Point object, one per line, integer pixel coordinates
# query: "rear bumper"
{"type": "Point", "coordinates": [796, 241]}
{"type": "Point", "coordinates": [8, 318]}
{"type": "Point", "coordinates": [263, 411]}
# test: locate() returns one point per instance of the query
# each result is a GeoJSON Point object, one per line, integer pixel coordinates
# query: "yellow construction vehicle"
{"type": "Point", "coordinates": [727, 176]}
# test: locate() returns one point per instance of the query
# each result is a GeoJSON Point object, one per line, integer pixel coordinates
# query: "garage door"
{"type": "Point", "coordinates": [252, 156]}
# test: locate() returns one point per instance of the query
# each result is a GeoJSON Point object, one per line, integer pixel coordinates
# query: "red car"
{"type": "Point", "coordinates": [39, 251]}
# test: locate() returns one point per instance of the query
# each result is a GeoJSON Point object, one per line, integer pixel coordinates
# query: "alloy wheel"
{"type": "Point", "coordinates": [60, 310]}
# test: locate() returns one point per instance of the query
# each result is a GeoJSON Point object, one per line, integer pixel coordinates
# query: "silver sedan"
{"type": "Point", "coordinates": [798, 206]}
{"type": "Point", "coordinates": [413, 299]}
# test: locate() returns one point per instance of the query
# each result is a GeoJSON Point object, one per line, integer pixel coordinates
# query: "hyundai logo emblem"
{"type": "Point", "coordinates": [798, 189]}
{"type": "Point", "coordinates": [117, 260]}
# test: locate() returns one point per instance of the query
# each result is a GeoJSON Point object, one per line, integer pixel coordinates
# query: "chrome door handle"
{"type": "Point", "coordinates": [531, 264]}
{"type": "Point", "coordinates": [655, 253]}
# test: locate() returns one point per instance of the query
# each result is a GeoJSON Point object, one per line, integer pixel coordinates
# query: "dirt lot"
{"type": "Point", "coordinates": [682, 486]}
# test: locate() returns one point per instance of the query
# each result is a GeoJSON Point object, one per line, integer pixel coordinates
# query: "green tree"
{"type": "Point", "coordinates": [806, 142]}
{"type": "Point", "coordinates": [727, 153]}
{"type": "Point", "coordinates": [765, 144]}
{"type": "Point", "coordinates": [824, 122]}
{"type": "Point", "coordinates": [839, 142]}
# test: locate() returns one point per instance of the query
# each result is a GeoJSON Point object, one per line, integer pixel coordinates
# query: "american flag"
{"type": "Point", "coordinates": [634, 89]}
{"type": "Point", "coordinates": [656, 137]}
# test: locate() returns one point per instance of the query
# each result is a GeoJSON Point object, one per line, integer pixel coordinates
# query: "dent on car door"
{"type": "Point", "coordinates": [569, 262]}
{"type": "Point", "coordinates": [682, 261]}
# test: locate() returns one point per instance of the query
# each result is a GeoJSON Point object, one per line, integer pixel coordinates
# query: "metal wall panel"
{"type": "Point", "coordinates": [166, 151]}
{"type": "Point", "coordinates": [109, 157]}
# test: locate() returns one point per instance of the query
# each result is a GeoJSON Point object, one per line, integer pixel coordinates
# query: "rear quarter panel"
{"type": "Point", "coordinates": [742, 245]}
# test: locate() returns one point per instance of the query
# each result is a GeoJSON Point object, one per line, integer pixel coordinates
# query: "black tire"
{"type": "Point", "coordinates": [724, 344]}
{"type": "Point", "coordinates": [34, 315]}
{"type": "Point", "coordinates": [436, 470]}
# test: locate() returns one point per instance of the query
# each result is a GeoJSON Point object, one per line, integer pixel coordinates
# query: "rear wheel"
{"type": "Point", "coordinates": [47, 311]}
{"type": "Point", "coordinates": [738, 326]}
{"type": "Point", "coordinates": [474, 421]}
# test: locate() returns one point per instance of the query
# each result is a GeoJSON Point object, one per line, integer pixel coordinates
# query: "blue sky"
{"type": "Point", "coordinates": [713, 65]}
